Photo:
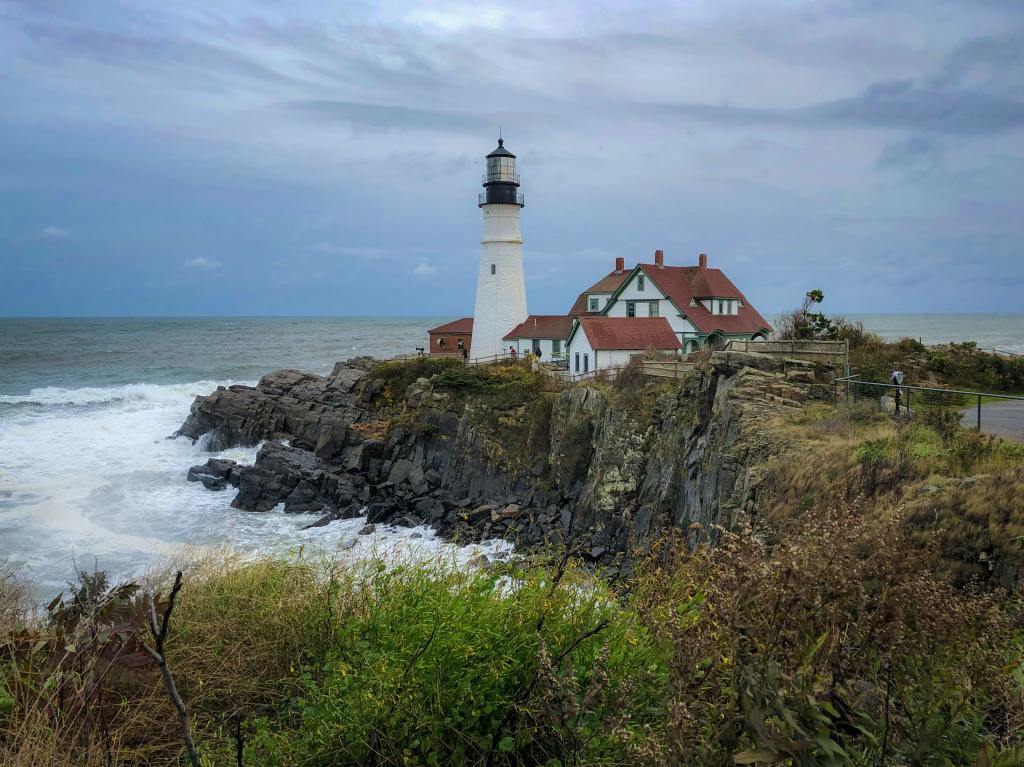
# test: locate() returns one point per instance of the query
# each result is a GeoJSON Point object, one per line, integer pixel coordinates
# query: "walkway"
{"type": "Point", "coordinates": [1002, 419]}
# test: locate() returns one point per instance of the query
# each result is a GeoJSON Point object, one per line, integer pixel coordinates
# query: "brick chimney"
{"type": "Point", "coordinates": [659, 258]}
{"type": "Point", "coordinates": [620, 265]}
{"type": "Point", "coordinates": [703, 261]}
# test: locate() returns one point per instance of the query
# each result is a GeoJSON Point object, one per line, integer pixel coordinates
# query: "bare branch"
{"type": "Point", "coordinates": [158, 628]}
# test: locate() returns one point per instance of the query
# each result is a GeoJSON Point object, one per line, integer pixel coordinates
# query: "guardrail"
{"type": "Point", "coordinates": [822, 352]}
{"type": "Point", "coordinates": [1004, 416]}
{"type": "Point", "coordinates": [457, 355]}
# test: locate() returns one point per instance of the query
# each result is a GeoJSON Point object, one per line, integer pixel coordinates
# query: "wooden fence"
{"type": "Point", "coordinates": [835, 353]}
{"type": "Point", "coordinates": [666, 368]}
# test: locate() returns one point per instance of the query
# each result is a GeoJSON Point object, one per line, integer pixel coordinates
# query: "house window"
{"type": "Point", "coordinates": [631, 308]}
{"type": "Point", "coordinates": [577, 362]}
{"type": "Point", "coordinates": [640, 283]}
{"type": "Point", "coordinates": [535, 345]}
{"type": "Point", "coordinates": [556, 346]}
{"type": "Point", "coordinates": [653, 309]}
{"type": "Point", "coordinates": [494, 268]}
{"type": "Point", "coordinates": [586, 362]}
{"type": "Point", "coordinates": [593, 305]}
{"type": "Point", "coordinates": [721, 304]}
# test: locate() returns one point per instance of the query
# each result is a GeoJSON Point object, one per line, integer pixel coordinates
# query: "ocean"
{"type": "Point", "coordinates": [89, 480]}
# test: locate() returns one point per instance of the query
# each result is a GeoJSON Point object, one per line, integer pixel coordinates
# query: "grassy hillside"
{"type": "Point", "coordinates": [868, 616]}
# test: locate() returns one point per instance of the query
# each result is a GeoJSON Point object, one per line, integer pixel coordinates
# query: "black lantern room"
{"type": "Point", "coordinates": [501, 182]}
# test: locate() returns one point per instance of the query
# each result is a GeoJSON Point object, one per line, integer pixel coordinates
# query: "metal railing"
{"type": "Point", "coordinates": [1004, 417]}
{"type": "Point", "coordinates": [501, 178]}
{"type": "Point", "coordinates": [482, 200]}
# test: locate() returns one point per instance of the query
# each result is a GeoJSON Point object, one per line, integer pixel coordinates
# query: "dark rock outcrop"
{"type": "Point", "coordinates": [300, 407]}
{"type": "Point", "coordinates": [609, 478]}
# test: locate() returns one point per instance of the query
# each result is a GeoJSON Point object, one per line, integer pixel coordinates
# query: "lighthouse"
{"type": "Point", "coordinates": [500, 285]}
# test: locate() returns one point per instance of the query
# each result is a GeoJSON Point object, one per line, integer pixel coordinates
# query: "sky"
{"type": "Point", "coordinates": [217, 157]}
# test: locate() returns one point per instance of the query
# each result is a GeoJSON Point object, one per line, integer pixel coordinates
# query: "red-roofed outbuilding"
{"type": "Point", "coordinates": [451, 339]}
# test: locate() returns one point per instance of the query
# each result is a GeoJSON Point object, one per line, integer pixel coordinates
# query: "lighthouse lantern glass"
{"type": "Point", "coordinates": [501, 169]}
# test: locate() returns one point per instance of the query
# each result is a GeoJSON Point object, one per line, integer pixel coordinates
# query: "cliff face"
{"type": "Point", "coordinates": [600, 472]}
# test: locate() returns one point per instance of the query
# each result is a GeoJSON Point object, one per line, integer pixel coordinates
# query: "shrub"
{"type": "Point", "coordinates": [454, 668]}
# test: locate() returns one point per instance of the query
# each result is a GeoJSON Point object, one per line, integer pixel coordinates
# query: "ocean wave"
{"type": "Point", "coordinates": [55, 396]}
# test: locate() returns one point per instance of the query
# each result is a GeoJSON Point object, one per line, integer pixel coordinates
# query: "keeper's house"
{"type": "Point", "coordinates": [702, 305]}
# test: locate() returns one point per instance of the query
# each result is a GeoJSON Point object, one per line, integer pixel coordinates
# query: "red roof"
{"type": "Point", "coordinates": [542, 326]}
{"type": "Point", "coordinates": [607, 284]}
{"type": "Point", "coordinates": [464, 325]}
{"type": "Point", "coordinates": [685, 283]}
{"type": "Point", "coordinates": [629, 333]}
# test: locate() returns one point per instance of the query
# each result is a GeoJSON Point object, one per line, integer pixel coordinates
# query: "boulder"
{"type": "Point", "coordinates": [208, 480]}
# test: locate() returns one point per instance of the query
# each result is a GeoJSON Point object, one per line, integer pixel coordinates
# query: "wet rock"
{"type": "Point", "coordinates": [367, 529]}
{"type": "Point", "coordinates": [209, 481]}
{"type": "Point", "coordinates": [322, 522]}
{"type": "Point", "coordinates": [409, 520]}
{"type": "Point", "coordinates": [511, 511]}
{"type": "Point", "coordinates": [281, 474]}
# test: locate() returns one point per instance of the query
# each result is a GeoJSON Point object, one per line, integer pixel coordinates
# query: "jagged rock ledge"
{"type": "Point", "coordinates": [607, 478]}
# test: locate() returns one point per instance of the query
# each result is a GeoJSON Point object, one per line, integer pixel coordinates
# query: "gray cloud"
{"type": "Point", "coordinates": [895, 104]}
{"type": "Point", "coordinates": [380, 117]}
{"type": "Point", "coordinates": [322, 152]}
{"type": "Point", "coordinates": [916, 153]}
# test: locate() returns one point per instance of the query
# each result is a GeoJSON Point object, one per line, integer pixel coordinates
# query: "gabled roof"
{"type": "Point", "coordinates": [464, 325]}
{"type": "Point", "coordinates": [542, 326]}
{"type": "Point", "coordinates": [681, 284]}
{"type": "Point", "coordinates": [628, 333]}
{"type": "Point", "coordinates": [607, 284]}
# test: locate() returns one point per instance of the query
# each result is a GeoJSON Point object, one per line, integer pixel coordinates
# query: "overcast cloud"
{"type": "Point", "coordinates": [327, 162]}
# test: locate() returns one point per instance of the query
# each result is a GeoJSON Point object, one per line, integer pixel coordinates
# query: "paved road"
{"type": "Point", "coordinates": [1004, 419]}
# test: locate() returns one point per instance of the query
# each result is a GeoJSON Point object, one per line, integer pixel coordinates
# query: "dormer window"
{"type": "Point", "coordinates": [593, 304]}
{"type": "Point", "coordinates": [724, 306]}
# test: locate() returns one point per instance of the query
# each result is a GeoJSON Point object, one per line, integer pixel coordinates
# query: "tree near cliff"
{"type": "Point", "coordinates": [804, 324]}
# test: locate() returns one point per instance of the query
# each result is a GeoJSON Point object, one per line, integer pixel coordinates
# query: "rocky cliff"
{"type": "Point", "coordinates": [603, 465]}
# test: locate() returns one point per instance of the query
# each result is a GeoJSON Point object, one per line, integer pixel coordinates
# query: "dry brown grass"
{"type": "Point", "coordinates": [376, 429]}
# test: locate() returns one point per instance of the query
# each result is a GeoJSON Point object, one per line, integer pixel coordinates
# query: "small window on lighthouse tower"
{"type": "Point", "coordinates": [494, 268]}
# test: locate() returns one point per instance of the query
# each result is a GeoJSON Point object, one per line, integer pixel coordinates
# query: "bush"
{"type": "Point", "coordinates": [448, 668]}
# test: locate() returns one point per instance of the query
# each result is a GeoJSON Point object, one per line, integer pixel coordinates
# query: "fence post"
{"type": "Point", "coordinates": [979, 412]}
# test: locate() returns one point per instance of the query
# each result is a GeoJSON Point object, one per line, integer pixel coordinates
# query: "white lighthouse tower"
{"type": "Point", "coordinates": [500, 285]}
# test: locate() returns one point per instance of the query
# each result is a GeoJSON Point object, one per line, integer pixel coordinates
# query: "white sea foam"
{"type": "Point", "coordinates": [102, 486]}
{"type": "Point", "coordinates": [137, 392]}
